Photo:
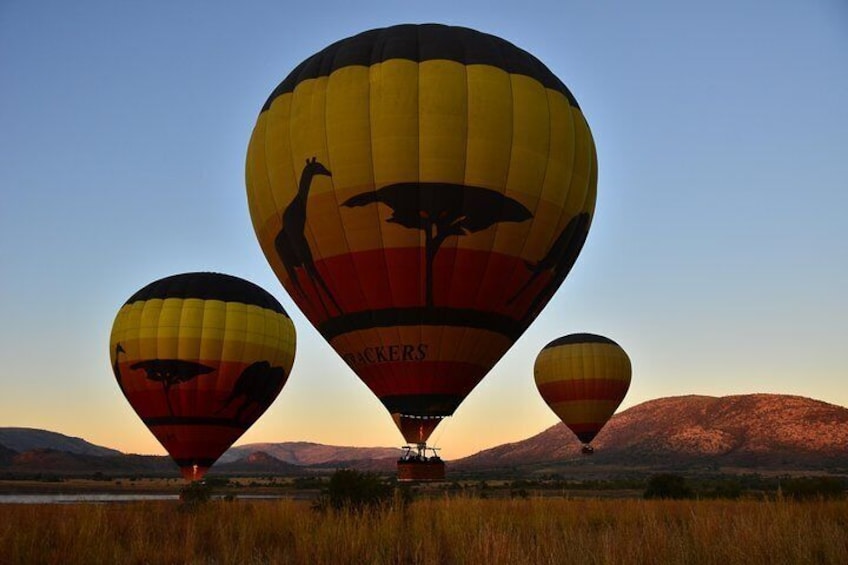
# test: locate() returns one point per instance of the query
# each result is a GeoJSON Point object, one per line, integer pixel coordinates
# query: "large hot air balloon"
{"type": "Point", "coordinates": [421, 191]}
{"type": "Point", "coordinates": [583, 378]}
{"type": "Point", "coordinates": [200, 356]}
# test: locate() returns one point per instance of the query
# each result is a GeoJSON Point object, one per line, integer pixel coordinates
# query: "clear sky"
{"type": "Point", "coordinates": [718, 256]}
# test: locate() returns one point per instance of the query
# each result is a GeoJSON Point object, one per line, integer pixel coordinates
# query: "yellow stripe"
{"type": "Point", "coordinates": [582, 361]}
{"type": "Point", "coordinates": [192, 328]}
{"type": "Point", "coordinates": [437, 121]}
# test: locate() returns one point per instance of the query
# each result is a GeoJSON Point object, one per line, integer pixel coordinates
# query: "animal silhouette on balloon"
{"type": "Point", "coordinates": [258, 385]}
{"type": "Point", "coordinates": [558, 260]}
{"type": "Point", "coordinates": [291, 243]}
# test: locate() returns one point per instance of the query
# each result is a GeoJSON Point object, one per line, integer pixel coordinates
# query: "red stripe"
{"type": "Point", "coordinates": [584, 427]}
{"type": "Point", "coordinates": [612, 390]}
{"type": "Point", "coordinates": [395, 278]}
{"type": "Point", "coordinates": [421, 377]}
{"type": "Point", "coordinates": [196, 442]}
{"type": "Point", "coordinates": [205, 395]}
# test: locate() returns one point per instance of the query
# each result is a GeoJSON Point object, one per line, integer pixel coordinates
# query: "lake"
{"type": "Point", "coordinates": [105, 498]}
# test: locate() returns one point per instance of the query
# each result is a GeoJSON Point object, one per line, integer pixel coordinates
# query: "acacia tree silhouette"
{"type": "Point", "coordinates": [442, 210]}
{"type": "Point", "coordinates": [171, 372]}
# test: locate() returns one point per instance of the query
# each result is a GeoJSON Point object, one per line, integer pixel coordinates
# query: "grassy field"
{"type": "Point", "coordinates": [447, 530]}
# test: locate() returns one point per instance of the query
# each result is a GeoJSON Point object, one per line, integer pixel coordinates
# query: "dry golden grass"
{"type": "Point", "coordinates": [457, 530]}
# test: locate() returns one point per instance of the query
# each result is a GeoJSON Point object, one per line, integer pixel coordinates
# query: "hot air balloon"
{"type": "Point", "coordinates": [583, 378]}
{"type": "Point", "coordinates": [199, 357]}
{"type": "Point", "coordinates": [421, 191]}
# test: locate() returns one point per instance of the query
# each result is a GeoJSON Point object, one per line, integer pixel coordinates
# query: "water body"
{"type": "Point", "coordinates": [105, 498]}
{"type": "Point", "coordinates": [77, 498]}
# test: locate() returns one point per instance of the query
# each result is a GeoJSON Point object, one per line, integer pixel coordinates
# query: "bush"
{"type": "Point", "coordinates": [194, 495]}
{"type": "Point", "coordinates": [667, 485]}
{"type": "Point", "coordinates": [806, 488]}
{"type": "Point", "coordinates": [730, 489]}
{"type": "Point", "coordinates": [354, 490]}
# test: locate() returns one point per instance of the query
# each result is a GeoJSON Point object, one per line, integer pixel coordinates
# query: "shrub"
{"type": "Point", "coordinates": [667, 485]}
{"type": "Point", "coordinates": [805, 488]}
{"type": "Point", "coordinates": [354, 490]}
{"type": "Point", "coordinates": [194, 494]}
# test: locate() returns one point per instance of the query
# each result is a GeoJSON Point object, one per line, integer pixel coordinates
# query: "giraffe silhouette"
{"type": "Point", "coordinates": [559, 259]}
{"type": "Point", "coordinates": [291, 243]}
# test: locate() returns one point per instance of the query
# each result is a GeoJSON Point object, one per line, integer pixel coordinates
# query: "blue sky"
{"type": "Point", "coordinates": [717, 256]}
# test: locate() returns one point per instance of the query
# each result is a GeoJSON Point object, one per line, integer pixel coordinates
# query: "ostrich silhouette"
{"type": "Point", "coordinates": [559, 258]}
{"type": "Point", "coordinates": [291, 243]}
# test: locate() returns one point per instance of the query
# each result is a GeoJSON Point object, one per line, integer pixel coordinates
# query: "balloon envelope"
{"type": "Point", "coordinates": [583, 378]}
{"type": "Point", "coordinates": [421, 191]}
{"type": "Point", "coordinates": [199, 357]}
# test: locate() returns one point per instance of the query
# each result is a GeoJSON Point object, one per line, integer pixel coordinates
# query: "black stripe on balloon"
{"type": "Point", "coordinates": [433, 316]}
{"type": "Point", "coordinates": [422, 405]}
{"type": "Point", "coordinates": [209, 286]}
{"type": "Point", "coordinates": [419, 43]}
{"type": "Point", "coordinates": [573, 339]}
{"type": "Point", "coordinates": [199, 461]}
{"type": "Point", "coordinates": [194, 421]}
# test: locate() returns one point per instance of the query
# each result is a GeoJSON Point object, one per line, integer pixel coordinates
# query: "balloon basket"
{"type": "Point", "coordinates": [416, 466]}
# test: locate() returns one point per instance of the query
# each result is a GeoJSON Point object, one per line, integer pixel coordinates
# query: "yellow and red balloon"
{"type": "Point", "coordinates": [199, 357]}
{"type": "Point", "coordinates": [421, 191]}
{"type": "Point", "coordinates": [583, 378]}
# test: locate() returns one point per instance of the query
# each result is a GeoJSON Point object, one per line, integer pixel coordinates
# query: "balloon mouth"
{"type": "Point", "coordinates": [194, 472]}
{"type": "Point", "coordinates": [423, 405]}
{"type": "Point", "coordinates": [416, 429]}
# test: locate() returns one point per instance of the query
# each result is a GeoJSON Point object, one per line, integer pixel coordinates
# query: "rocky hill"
{"type": "Point", "coordinates": [25, 439]}
{"type": "Point", "coordinates": [257, 463]}
{"type": "Point", "coordinates": [755, 431]}
{"type": "Point", "coordinates": [309, 454]}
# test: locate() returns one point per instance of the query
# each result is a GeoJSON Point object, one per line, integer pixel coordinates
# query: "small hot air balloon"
{"type": "Point", "coordinates": [583, 378]}
{"type": "Point", "coordinates": [421, 191]}
{"type": "Point", "coordinates": [199, 357]}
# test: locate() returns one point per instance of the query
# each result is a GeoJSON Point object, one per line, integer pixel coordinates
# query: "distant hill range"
{"type": "Point", "coordinates": [310, 454]}
{"type": "Point", "coordinates": [26, 439]}
{"type": "Point", "coordinates": [755, 432]}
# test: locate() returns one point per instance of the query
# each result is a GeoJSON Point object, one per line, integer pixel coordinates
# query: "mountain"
{"type": "Point", "coordinates": [257, 463]}
{"type": "Point", "coordinates": [65, 463]}
{"type": "Point", "coordinates": [26, 439]}
{"type": "Point", "coordinates": [6, 455]}
{"type": "Point", "coordinates": [308, 454]}
{"type": "Point", "coordinates": [754, 431]}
